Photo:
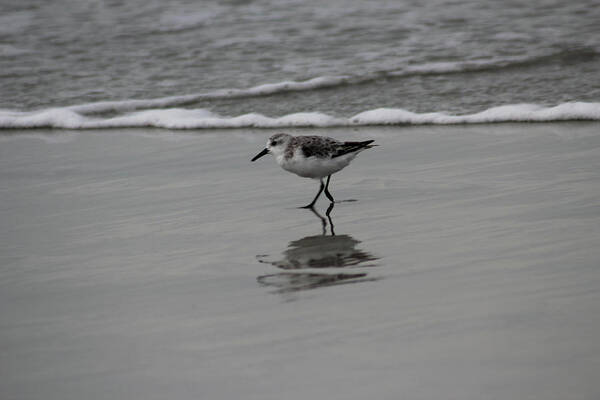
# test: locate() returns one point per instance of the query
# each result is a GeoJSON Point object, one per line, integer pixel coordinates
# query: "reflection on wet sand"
{"type": "Point", "coordinates": [323, 220]}
{"type": "Point", "coordinates": [286, 282]}
{"type": "Point", "coordinates": [318, 252]}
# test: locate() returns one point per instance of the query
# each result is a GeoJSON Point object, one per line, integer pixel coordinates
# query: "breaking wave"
{"type": "Point", "coordinates": [182, 118]}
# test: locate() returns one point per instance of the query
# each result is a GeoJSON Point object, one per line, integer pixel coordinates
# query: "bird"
{"type": "Point", "coordinates": [313, 157]}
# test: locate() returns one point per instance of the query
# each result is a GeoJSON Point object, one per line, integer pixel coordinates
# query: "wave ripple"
{"type": "Point", "coordinates": [181, 118]}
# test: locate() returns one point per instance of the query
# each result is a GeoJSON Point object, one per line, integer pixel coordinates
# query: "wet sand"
{"type": "Point", "coordinates": [159, 264]}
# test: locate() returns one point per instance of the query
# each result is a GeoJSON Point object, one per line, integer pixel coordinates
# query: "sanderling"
{"type": "Point", "coordinates": [313, 156]}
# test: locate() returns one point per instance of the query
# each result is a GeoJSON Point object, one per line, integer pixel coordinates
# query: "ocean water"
{"type": "Point", "coordinates": [185, 64]}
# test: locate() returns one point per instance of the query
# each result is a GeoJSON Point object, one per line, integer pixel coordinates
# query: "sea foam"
{"type": "Point", "coordinates": [182, 118]}
{"type": "Point", "coordinates": [508, 113]}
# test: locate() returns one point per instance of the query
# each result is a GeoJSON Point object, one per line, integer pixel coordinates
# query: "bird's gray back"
{"type": "Point", "coordinates": [317, 146]}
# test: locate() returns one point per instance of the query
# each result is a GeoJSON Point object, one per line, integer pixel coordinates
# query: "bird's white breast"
{"type": "Point", "coordinates": [313, 167]}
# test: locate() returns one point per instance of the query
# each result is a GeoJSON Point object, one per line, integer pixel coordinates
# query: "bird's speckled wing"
{"type": "Point", "coordinates": [315, 146]}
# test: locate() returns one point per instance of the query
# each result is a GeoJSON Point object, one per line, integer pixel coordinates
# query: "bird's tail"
{"type": "Point", "coordinates": [367, 144]}
{"type": "Point", "coordinates": [361, 145]}
{"type": "Point", "coordinates": [353, 147]}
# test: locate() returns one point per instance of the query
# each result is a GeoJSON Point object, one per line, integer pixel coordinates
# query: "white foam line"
{"type": "Point", "coordinates": [508, 113]}
{"type": "Point", "coordinates": [178, 118]}
{"type": "Point", "coordinates": [260, 90]}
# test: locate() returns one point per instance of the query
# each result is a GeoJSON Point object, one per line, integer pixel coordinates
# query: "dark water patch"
{"type": "Point", "coordinates": [287, 282]}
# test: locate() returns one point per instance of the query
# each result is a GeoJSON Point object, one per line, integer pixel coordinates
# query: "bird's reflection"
{"type": "Point", "coordinates": [323, 220]}
{"type": "Point", "coordinates": [318, 252]}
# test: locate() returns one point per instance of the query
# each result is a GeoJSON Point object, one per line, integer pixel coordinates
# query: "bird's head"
{"type": "Point", "coordinates": [276, 145]}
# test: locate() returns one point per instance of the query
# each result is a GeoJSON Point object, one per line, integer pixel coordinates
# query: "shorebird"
{"type": "Point", "coordinates": [314, 157]}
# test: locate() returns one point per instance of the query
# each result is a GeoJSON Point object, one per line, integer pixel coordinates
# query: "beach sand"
{"type": "Point", "coordinates": [154, 264]}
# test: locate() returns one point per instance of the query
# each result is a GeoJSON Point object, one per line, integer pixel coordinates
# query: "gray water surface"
{"type": "Point", "coordinates": [150, 264]}
{"type": "Point", "coordinates": [465, 56]}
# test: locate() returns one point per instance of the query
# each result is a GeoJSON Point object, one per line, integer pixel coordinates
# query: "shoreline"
{"type": "Point", "coordinates": [186, 118]}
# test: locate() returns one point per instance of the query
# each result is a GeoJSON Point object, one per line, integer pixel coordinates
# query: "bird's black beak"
{"type": "Point", "coordinates": [259, 155]}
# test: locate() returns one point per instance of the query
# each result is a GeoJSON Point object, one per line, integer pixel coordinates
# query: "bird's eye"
{"type": "Point", "coordinates": [273, 143]}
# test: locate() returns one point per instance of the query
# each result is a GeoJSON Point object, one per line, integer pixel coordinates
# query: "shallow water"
{"type": "Point", "coordinates": [152, 264]}
{"type": "Point", "coordinates": [429, 56]}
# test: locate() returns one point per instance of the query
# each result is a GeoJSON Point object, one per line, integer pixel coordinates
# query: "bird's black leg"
{"type": "Point", "coordinates": [329, 196]}
{"type": "Point", "coordinates": [329, 218]}
{"type": "Point", "coordinates": [323, 220]}
{"type": "Point", "coordinates": [312, 203]}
